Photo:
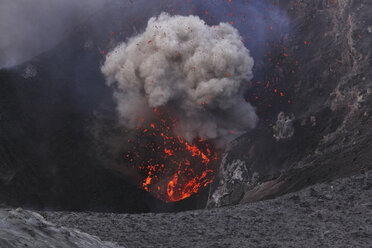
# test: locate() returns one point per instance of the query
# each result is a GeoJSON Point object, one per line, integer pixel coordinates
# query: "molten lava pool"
{"type": "Point", "coordinates": [169, 167]}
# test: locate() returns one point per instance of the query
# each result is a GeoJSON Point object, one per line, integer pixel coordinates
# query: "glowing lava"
{"type": "Point", "coordinates": [170, 167]}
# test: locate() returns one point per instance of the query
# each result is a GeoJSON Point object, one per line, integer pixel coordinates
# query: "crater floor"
{"type": "Point", "coordinates": [336, 214]}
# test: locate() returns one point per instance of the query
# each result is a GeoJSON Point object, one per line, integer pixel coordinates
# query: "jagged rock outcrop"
{"type": "Point", "coordinates": [21, 228]}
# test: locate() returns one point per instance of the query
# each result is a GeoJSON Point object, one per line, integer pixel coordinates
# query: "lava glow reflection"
{"type": "Point", "coordinates": [170, 167]}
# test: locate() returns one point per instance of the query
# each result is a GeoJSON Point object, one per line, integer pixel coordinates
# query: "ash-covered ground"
{"type": "Point", "coordinates": [336, 214]}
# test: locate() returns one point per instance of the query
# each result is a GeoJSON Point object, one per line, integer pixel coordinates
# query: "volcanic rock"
{"type": "Point", "coordinates": [329, 134]}
{"type": "Point", "coordinates": [22, 228]}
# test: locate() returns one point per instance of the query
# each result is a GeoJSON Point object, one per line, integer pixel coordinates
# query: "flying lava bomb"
{"type": "Point", "coordinates": [179, 85]}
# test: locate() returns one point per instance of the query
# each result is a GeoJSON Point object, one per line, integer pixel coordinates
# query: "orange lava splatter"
{"type": "Point", "coordinates": [170, 167]}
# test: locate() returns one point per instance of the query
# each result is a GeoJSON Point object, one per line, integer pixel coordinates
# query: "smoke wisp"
{"type": "Point", "coordinates": [195, 71]}
{"type": "Point", "coordinates": [29, 28]}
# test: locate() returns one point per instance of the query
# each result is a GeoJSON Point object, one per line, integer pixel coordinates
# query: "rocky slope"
{"type": "Point", "coordinates": [336, 214]}
{"type": "Point", "coordinates": [324, 130]}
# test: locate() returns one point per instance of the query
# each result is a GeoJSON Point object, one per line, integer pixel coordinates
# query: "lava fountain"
{"type": "Point", "coordinates": [179, 90]}
{"type": "Point", "coordinates": [169, 166]}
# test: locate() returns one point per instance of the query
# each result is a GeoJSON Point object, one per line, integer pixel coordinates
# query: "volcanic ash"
{"type": "Point", "coordinates": [195, 71]}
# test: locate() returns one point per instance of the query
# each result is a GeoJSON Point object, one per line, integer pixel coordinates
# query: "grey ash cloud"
{"type": "Point", "coordinates": [196, 71]}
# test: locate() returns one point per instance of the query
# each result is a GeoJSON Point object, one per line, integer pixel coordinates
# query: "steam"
{"type": "Point", "coordinates": [196, 71]}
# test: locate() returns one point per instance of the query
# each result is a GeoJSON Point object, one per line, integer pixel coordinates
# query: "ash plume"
{"type": "Point", "coordinates": [195, 71]}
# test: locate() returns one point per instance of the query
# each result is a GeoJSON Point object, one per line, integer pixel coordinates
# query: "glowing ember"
{"type": "Point", "coordinates": [170, 167]}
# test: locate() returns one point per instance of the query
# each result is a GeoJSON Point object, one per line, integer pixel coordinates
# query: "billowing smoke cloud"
{"type": "Point", "coordinates": [195, 71]}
